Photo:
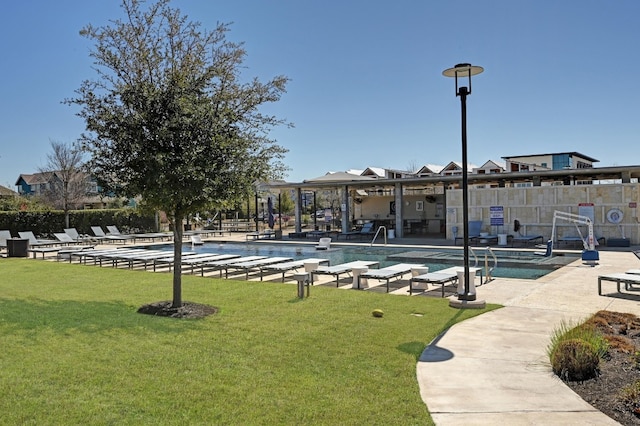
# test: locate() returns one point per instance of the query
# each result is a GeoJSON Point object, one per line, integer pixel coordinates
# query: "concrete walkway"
{"type": "Point", "coordinates": [493, 369]}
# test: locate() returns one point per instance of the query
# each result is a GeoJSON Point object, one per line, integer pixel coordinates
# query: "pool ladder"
{"type": "Point", "coordinates": [376, 236]}
{"type": "Point", "coordinates": [487, 270]}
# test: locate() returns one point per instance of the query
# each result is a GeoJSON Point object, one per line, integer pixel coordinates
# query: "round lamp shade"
{"type": "Point", "coordinates": [462, 70]}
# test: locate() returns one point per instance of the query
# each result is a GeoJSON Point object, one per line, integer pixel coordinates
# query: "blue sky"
{"type": "Point", "coordinates": [366, 77]}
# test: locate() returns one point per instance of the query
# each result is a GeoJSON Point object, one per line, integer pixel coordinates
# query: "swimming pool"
{"type": "Point", "coordinates": [511, 264]}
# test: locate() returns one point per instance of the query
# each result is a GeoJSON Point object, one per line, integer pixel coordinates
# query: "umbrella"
{"type": "Point", "coordinates": [270, 212]}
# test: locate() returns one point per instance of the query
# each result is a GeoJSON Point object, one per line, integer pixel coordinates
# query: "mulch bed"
{"type": "Point", "coordinates": [188, 310]}
{"type": "Point", "coordinates": [620, 368]}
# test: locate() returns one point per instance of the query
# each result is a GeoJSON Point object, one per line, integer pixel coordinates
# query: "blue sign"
{"type": "Point", "coordinates": [496, 215]}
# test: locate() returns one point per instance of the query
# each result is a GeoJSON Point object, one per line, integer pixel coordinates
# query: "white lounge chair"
{"type": "Point", "coordinates": [442, 277]}
{"type": "Point", "coordinates": [194, 261]}
{"type": "Point", "coordinates": [619, 278]}
{"type": "Point", "coordinates": [393, 271]}
{"type": "Point", "coordinates": [251, 265]}
{"type": "Point", "coordinates": [343, 268]}
{"type": "Point", "coordinates": [292, 266]}
{"type": "Point", "coordinates": [222, 264]}
{"type": "Point", "coordinates": [324, 244]}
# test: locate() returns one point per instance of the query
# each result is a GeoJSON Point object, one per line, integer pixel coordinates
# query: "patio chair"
{"type": "Point", "coordinates": [75, 235]}
{"type": "Point", "coordinates": [366, 230]}
{"type": "Point", "coordinates": [547, 252]}
{"type": "Point", "coordinates": [99, 232]}
{"type": "Point", "coordinates": [475, 226]}
{"type": "Point", "coordinates": [33, 241]}
{"type": "Point", "coordinates": [63, 237]}
{"type": "Point", "coordinates": [196, 240]}
{"type": "Point", "coordinates": [324, 244]}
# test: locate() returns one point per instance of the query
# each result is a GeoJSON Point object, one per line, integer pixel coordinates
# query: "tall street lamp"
{"type": "Point", "coordinates": [462, 71]}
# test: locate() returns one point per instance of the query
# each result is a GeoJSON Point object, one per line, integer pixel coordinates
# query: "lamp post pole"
{"type": "Point", "coordinates": [464, 70]}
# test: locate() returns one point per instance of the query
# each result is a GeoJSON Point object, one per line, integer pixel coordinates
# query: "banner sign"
{"type": "Point", "coordinates": [496, 215]}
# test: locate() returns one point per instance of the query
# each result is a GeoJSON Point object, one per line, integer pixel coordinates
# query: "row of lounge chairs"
{"type": "Point", "coordinates": [207, 262]}
{"type": "Point", "coordinates": [262, 265]}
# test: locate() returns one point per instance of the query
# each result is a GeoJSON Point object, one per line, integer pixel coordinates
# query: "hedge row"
{"type": "Point", "coordinates": [44, 224]}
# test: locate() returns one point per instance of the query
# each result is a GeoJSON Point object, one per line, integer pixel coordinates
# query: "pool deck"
{"type": "Point", "coordinates": [493, 369]}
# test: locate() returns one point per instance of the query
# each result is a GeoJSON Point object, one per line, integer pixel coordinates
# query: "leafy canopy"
{"type": "Point", "coordinates": [169, 118]}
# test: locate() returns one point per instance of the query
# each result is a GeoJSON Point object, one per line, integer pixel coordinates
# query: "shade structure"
{"type": "Point", "coordinates": [270, 217]}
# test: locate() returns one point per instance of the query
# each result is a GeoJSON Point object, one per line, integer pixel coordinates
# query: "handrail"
{"type": "Point", "coordinates": [376, 236]}
{"type": "Point", "coordinates": [487, 275]}
{"type": "Point", "coordinates": [475, 263]}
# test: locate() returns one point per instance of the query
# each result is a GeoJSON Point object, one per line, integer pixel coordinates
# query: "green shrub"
{"type": "Point", "coordinates": [575, 360]}
{"type": "Point", "coordinates": [575, 351]}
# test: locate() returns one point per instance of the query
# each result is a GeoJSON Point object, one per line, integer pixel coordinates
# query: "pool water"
{"type": "Point", "coordinates": [511, 264]}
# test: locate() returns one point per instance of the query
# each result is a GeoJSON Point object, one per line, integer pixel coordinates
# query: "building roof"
{"type": "Point", "coordinates": [339, 177]}
{"type": "Point", "coordinates": [6, 192]}
{"type": "Point", "coordinates": [572, 153]}
{"type": "Point", "coordinates": [35, 178]}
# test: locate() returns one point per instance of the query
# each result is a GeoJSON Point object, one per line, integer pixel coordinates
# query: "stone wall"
{"type": "Point", "coordinates": [534, 207]}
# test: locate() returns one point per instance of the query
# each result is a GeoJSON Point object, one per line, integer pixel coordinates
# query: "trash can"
{"type": "Point", "coordinates": [391, 234]}
{"type": "Point", "coordinates": [17, 247]}
{"type": "Point", "coordinates": [502, 239]}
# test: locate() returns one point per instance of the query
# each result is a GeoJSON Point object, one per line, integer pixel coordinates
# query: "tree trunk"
{"type": "Point", "coordinates": [177, 262]}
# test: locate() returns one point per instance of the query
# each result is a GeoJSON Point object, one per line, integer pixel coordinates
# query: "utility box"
{"type": "Point", "coordinates": [17, 247]}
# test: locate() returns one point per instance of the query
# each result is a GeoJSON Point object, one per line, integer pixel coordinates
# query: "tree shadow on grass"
{"type": "Point", "coordinates": [61, 316]}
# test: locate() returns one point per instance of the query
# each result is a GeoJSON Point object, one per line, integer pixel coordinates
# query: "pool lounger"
{"type": "Point", "coordinates": [387, 273]}
{"type": "Point", "coordinates": [194, 261]}
{"type": "Point", "coordinates": [164, 258]}
{"type": "Point", "coordinates": [96, 255]}
{"type": "Point", "coordinates": [289, 266]}
{"type": "Point", "coordinates": [219, 265]}
{"type": "Point", "coordinates": [442, 277]}
{"type": "Point", "coordinates": [59, 251]}
{"type": "Point", "coordinates": [251, 265]}
{"type": "Point", "coordinates": [189, 257]}
{"type": "Point", "coordinates": [619, 278]}
{"type": "Point", "coordinates": [343, 268]}
{"type": "Point", "coordinates": [115, 255]}
{"type": "Point", "coordinates": [139, 256]}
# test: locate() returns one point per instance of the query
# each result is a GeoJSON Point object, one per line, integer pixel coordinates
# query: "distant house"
{"type": "Point", "coordinates": [455, 168]}
{"type": "Point", "coordinates": [378, 172]}
{"type": "Point", "coordinates": [540, 162]}
{"type": "Point", "coordinates": [41, 184]}
{"type": "Point", "coordinates": [490, 167]}
{"type": "Point", "coordinates": [34, 184]}
{"type": "Point", "coordinates": [429, 170]}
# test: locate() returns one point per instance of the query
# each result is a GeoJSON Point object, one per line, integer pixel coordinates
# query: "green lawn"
{"type": "Point", "coordinates": [74, 351]}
